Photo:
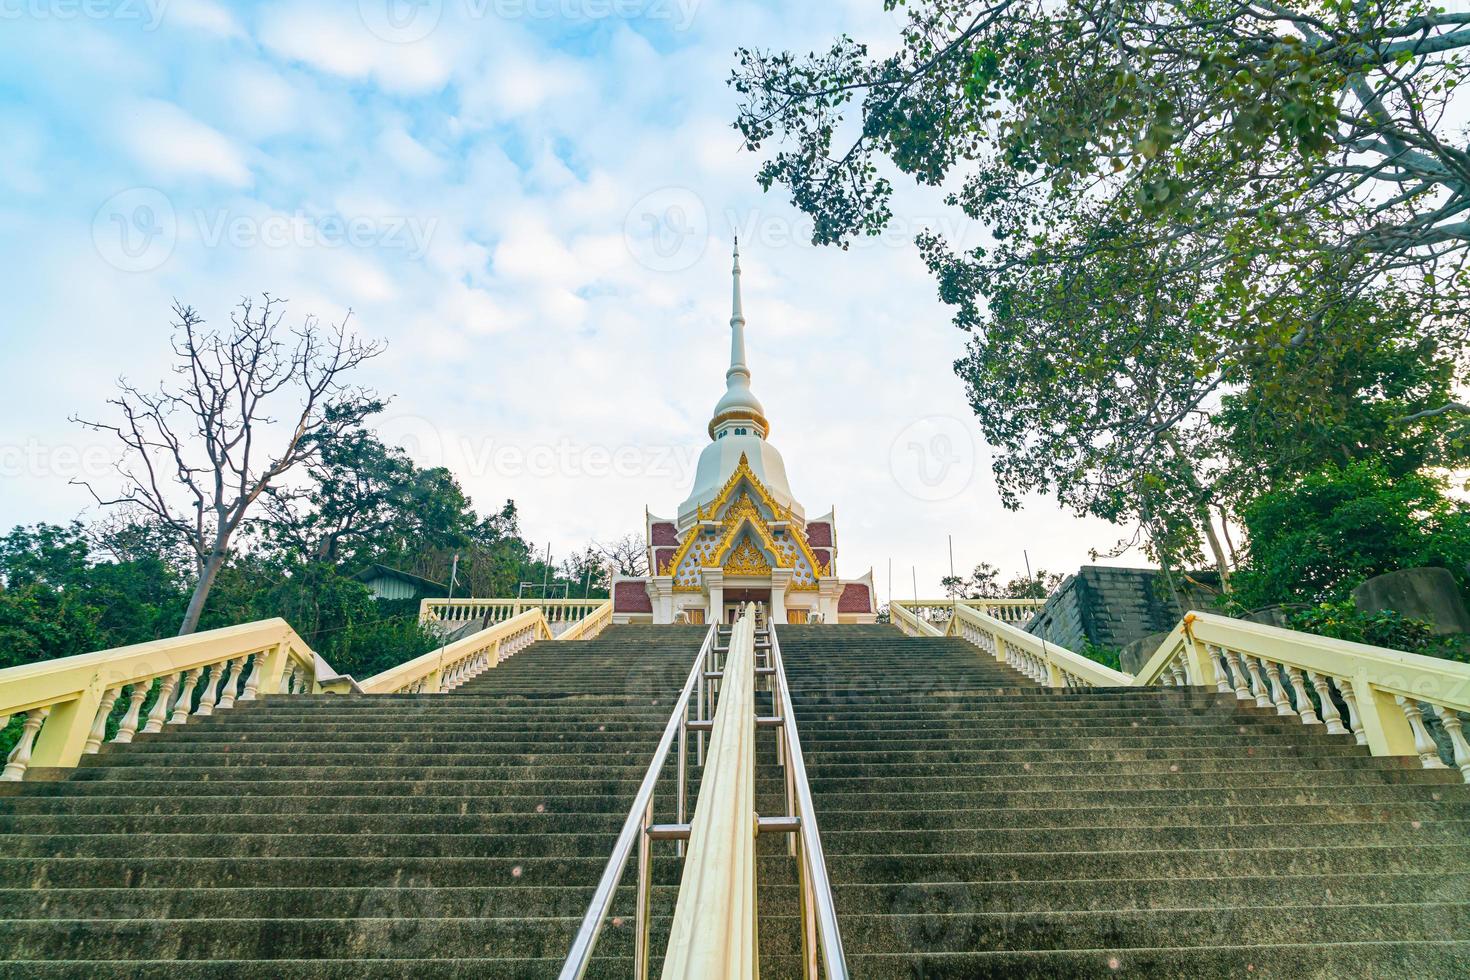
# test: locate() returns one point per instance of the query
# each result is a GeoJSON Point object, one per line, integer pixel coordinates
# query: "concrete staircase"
{"type": "Point", "coordinates": [977, 825]}
{"type": "Point", "coordinates": [424, 835]}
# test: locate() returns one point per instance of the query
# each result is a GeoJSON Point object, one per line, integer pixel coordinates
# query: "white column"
{"type": "Point", "coordinates": [829, 591]}
{"type": "Point", "coordinates": [780, 579]}
{"type": "Point", "coordinates": [714, 586]}
{"type": "Point", "coordinates": [661, 591]}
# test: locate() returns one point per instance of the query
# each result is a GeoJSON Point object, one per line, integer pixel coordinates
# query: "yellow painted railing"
{"type": "Point", "coordinates": [714, 928]}
{"type": "Point", "coordinates": [1390, 701]}
{"type": "Point", "coordinates": [66, 703]}
{"type": "Point", "coordinates": [593, 623]}
{"type": "Point", "coordinates": [1039, 659]}
{"type": "Point", "coordinates": [491, 611]}
{"type": "Point", "coordinates": [1391, 697]}
{"type": "Point", "coordinates": [938, 611]}
{"type": "Point", "coordinates": [447, 668]}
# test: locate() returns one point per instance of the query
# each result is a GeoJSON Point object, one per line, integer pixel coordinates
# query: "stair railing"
{"type": "Point", "coordinates": [590, 625]}
{"type": "Point", "coordinates": [455, 663]}
{"type": "Point", "coordinates": [557, 611]}
{"type": "Point", "coordinates": [821, 938]}
{"type": "Point", "coordinates": [68, 702]}
{"type": "Point", "coordinates": [639, 830]}
{"type": "Point", "coordinates": [714, 929]}
{"type": "Point", "coordinates": [1392, 702]}
{"type": "Point", "coordinates": [1392, 698]}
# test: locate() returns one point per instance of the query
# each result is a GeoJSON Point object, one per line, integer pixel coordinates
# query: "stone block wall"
{"type": "Point", "coordinates": [1112, 607]}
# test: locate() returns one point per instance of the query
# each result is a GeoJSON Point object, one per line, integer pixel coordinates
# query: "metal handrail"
{"type": "Point", "coordinates": [820, 931]}
{"type": "Point", "coordinates": [635, 832]}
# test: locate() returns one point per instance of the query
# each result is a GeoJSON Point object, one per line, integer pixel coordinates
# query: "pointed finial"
{"type": "Point", "coordinates": [737, 312]}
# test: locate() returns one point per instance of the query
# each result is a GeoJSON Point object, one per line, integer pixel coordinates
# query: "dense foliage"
{"type": "Point", "coordinates": [1316, 539]}
{"type": "Point", "coordinates": [70, 589]}
{"type": "Point", "coordinates": [1344, 621]}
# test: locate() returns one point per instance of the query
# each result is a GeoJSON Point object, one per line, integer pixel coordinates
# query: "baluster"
{"type": "Point", "coordinates": [231, 683]}
{"type": "Point", "coordinates": [211, 691]}
{"type": "Point", "coordinates": [252, 678]}
{"type": "Point", "coordinates": [99, 724]}
{"type": "Point", "coordinates": [1303, 699]}
{"type": "Point", "coordinates": [1237, 675]}
{"type": "Point", "coordinates": [20, 756]}
{"type": "Point", "coordinates": [159, 713]}
{"type": "Point", "coordinates": [1329, 710]}
{"type": "Point", "coordinates": [1278, 693]}
{"type": "Point", "coordinates": [129, 723]}
{"type": "Point", "coordinates": [185, 703]}
{"type": "Point", "coordinates": [1350, 698]}
{"type": "Point", "coordinates": [1222, 672]}
{"type": "Point", "coordinates": [1258, 683]}
{"type": "Point", "coordinates": [1176, 671]}
{"type": "Point", "coordinates": [1449, 720]}
{"type": "Point", "coordinates": [1423, 742]}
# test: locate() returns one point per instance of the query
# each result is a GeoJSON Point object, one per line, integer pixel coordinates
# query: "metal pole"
{"type": "Point", "coordinates": [683, 771]}
{"type": "Point", "coordinates": [644, 914]}
{"type": "Point", "coordinates": [546, 571]}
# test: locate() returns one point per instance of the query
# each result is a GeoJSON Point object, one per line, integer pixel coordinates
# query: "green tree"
{"type": "Point", "coordinates": [984, 583]}
{"type": "Point", "coordinates": [1313, 541]}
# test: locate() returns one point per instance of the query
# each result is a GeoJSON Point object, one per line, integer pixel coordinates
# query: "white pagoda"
{"type": "Point", "coordinates": [741, 535]}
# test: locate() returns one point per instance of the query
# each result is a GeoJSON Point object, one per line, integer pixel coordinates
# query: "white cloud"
{"type": "Point", "coordinates": [527, 321]}
{"type": "Point", "coordinates": [202, 15]}
{"type": "Point", "coordinates": [335, 40]}
{"type": "Point", "coordinates": [170, 143]}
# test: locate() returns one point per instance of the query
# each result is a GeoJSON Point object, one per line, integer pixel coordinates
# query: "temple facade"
{"type": "Point", "coordinates": [741, 535]}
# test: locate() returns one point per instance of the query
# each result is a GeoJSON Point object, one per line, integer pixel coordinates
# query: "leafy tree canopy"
{"type": "Point", "coordinates": [1185, 200]}
{"type": "Point", "coordinates": [1316, 540]}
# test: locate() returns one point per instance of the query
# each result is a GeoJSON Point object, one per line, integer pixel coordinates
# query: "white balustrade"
{"type": "Point", "coordinates": [1390, 701]}
{"type": "Point", "coordinates": [69, 703]}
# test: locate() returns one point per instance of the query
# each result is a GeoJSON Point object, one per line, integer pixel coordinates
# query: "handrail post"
{"type": "Point", "coordinates": [64, 734]}
{"type": "Point", "coordinates": [636, 825]}
{"type": "Point", "coordinates": [270, 668]}
{"type": "Point", "coordinates": [1383, 720]}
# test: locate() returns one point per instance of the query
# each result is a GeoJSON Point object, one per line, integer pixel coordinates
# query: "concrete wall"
{"type": "Point", "coordinates": [1112, 607]}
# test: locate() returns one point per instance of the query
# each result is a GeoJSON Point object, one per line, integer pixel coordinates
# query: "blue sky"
{"type": "Point", "coordinates": [532, 202]}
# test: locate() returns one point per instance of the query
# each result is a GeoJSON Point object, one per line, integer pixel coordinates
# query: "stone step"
{"type": "Point", "coordinates": [1212, 924]}
{"type": "Point", "coordinates": [1324, 811]}
{"type": "Point", "coordinates": [323, 938]}
{"type": "Point", "coordinates": [1344, 789]}
{"type": "Point", "coordinates": [1300, 961]}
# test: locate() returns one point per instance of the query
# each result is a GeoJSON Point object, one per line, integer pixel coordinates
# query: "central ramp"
{"type": "Point", "coordinates": [459, 834]}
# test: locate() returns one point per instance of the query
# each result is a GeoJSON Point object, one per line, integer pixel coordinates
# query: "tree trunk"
{"type": "Point", "coordinates": [1222, 564]}
{"type": "Point", "coordinates": [207, 574]}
